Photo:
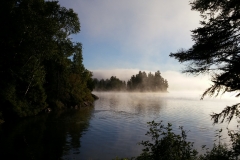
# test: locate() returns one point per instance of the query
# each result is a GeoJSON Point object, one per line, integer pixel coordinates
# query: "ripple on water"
{"type": "Point", "coordinates": [119, 122]}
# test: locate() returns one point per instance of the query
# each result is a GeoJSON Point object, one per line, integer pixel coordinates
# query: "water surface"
{"type": "Point", "coordinates": [113, 127]}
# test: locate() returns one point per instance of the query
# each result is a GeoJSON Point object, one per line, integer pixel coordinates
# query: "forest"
{"type": "Point", "coordinates": [40, 66]}
{"type": "Point", "coordinates": [142, 82]}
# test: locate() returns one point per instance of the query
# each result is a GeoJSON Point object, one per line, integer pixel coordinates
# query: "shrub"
{"type": "Point", "coordinates": [166, 145]}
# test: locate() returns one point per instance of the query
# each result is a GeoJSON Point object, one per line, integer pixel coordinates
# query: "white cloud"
{"type": "Point", "coordinates": [139, 26]}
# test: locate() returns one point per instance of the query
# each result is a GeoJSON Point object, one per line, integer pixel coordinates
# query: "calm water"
{"type": "Point", "coordinates": [111, 128]}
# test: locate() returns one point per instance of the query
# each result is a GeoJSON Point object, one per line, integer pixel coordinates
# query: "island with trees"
{"type": "Point", "coordinates": [141, 82]}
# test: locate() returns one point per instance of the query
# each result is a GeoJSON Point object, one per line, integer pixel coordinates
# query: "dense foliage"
{"type": "Point", "coordinates": [150, 82]}
{"type": "Point", "coordinates": [166, 145]}
{"type": "Point", "coordinates": [36, 68]}
{"type": "Point", "coordinates": [112, 84]}
{"type": "Point", "coordinates": [216, 49]}
{"type": "Point", "coordinates": [139, 82]}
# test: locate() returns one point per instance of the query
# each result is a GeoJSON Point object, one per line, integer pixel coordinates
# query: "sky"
{"type": "Point", "coordinates": [122, 37]}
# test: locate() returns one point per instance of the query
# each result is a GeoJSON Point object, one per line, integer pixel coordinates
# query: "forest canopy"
{"type": "Point", "coordinates": [40, 66]}
{"type": "Point", "coordinates": [140, 82]}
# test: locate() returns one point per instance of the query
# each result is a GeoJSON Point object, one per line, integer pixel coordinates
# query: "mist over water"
{"type": "Point", "coordinates": [113, 126]}
{"type": "Point", "coordinates": [119, 121]}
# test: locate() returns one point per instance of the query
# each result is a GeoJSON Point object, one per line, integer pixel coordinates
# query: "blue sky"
{"type": "Point", "coordinates": [121, 37]}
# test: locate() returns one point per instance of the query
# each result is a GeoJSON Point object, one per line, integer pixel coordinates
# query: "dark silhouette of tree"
{"type": "Point", "coordinates": [35, 65]}
{"type": "Point", "coordinates": [143, 82]}
{"type": "Point", "coordinates": [216, 49]}
{"type": "Point", "coordinates": [112, 84]}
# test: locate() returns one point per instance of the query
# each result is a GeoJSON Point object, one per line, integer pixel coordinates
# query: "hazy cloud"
{"type": "Point", "coordinates": [139, 26]}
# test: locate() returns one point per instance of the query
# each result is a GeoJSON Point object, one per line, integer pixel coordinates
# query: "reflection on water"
{"type": "Point", "coordinates": [135, 103]}
{"type": "Point", "coordinates": [112, 128]}
{"type": "Point", "coordinates": [120, 119]}
{"type": "Point", "coordinates": [47, 136]}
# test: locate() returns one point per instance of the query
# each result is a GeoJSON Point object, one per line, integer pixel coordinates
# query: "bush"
{"type": "Point", "coordinates": [218, 152]}
{"type": "Point", "coordinates": [166, 145]}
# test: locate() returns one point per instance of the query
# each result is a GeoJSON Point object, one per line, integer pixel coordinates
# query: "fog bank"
{"type": "Point", "coordinates": [177, 81]}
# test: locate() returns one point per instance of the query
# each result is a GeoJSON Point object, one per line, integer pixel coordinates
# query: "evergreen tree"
{"type": "Point", "coordinates": [112, 84]}
{"type": "Point", "coordinates": [216, 49]}
{"type": "Point", "coordinates": [143, 82]}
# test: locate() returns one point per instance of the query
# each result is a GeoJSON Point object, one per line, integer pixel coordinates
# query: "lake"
{"type": "Point", "coordinates": [112, 127]}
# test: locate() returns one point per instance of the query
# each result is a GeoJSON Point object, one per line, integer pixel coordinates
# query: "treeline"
{"type": "Point", "coordinates": [39, 65]}
{"type": "Point", "coordinates": [139, 82]}
{"type": "Point", "coordinates": [112, 84]}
